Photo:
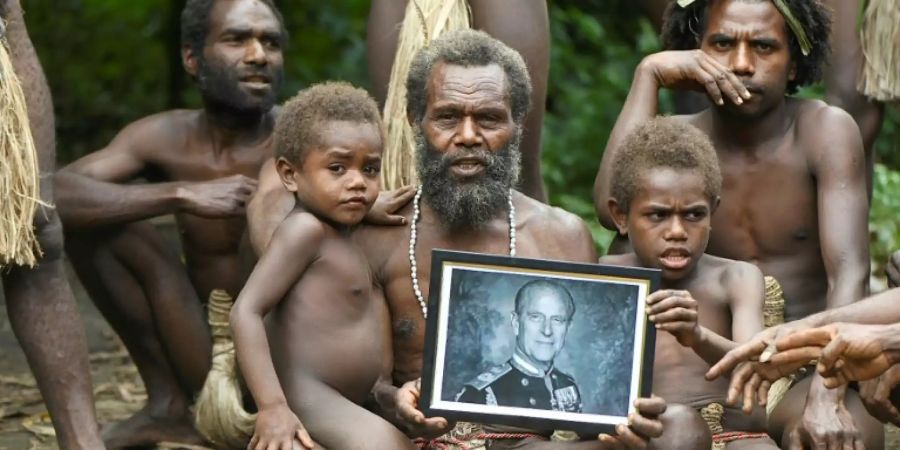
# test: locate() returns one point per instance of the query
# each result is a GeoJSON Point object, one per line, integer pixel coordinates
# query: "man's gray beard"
{"type": "Point", "coordinates": [470, 204]}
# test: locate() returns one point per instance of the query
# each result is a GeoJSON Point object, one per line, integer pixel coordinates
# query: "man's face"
{"type": "Point", "coordinates": [467, 144]}
{"type": "Point", "coordinates": [668, 221]}
{"type": "Point", "coordinates": [542, 324]}
{"type": "Point", "coordinates": [241, 65]}
{"type": "Point", "coordinates": [750, 38]}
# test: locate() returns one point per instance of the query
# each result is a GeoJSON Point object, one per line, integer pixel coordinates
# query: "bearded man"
{"type": "Point", "coordinates": [468, 95]}
{"type": "Point", "coordinates": [199, 165]}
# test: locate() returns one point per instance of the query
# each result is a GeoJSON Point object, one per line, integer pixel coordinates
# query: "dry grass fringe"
{"type": "Point", "coordinates": [880, 38]}
{"type": "Point", "coordinates": [425, 20]}
{"type": "Point", "coordinates": [219, 411]}
{"type": "Point", "coordinates": [19, 180]}
{"type": "Point", "coordinates": [773, 314]}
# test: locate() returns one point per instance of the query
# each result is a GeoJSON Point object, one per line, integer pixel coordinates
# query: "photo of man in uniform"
{"type": "Point", "coordinates": [541, 319]}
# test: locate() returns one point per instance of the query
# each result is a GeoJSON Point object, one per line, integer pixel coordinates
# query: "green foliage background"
{"type": "Point", "coordinates": [111, 62]}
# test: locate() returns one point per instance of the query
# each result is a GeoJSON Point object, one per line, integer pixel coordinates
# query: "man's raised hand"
{"type": "Point", "coordinates": [697, 71]}
{"type": "Point", "coordinates": [415, 422]}
{"type": "Point", "coordinates": [220, 198]}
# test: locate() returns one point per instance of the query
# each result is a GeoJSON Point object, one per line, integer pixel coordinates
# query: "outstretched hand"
{"type": "Point", "coordinates": [751, 368]}
{"type": "Point", "coordinates": [695, 70]}
{"type": "Point", "coordinates": [846, 351]}
{"type": "Point", "coordinates": [415, 422]}
{"type": "Point", "coordinates": [388, 203]}
{"type": "Point", "coordinates": [642, 427]}
{"type": "Point", "coordinates": [278, 428]}
{"type": "Point", "coordinates": [760, 347]}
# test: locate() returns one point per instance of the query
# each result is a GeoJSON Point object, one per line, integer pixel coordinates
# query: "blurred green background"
{"type": "Point", "coordinates": [110, 62]}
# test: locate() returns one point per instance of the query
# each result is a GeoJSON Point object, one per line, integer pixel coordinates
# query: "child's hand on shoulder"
{"type": "Point", "coordinates": [388, 204]}
{"type": "Point", "coordinates": [675, 312]}
{"type": "Point", "coordinates": [278, 427]}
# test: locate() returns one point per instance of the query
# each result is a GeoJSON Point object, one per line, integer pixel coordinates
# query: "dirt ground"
{"type": "Point", "coordinates": [24, 424]}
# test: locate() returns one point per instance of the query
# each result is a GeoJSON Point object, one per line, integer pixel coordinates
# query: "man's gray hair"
{"type": "Point", "coordinates": [527, 290]}
{"type": "Point", "coordinates": [468, 48]}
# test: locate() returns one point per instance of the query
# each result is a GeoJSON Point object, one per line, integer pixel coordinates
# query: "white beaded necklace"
{"type": "Point", "coordinates": [413, 270]}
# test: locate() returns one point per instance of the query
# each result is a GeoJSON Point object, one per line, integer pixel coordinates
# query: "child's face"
{"type": "Point", "coordinates": [338, 180]}
{"type": "Point", "coordinates": [668, 222]}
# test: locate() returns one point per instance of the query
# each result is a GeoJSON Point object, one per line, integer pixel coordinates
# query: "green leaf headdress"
{"type": "Point", "coordinates": [792, 22]}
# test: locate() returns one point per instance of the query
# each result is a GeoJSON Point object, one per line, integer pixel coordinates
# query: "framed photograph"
{"type": "Point", "coordinates": [545, 345]}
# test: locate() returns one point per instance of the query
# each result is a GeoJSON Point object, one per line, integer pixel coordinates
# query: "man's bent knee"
{"type": "Point", "coordinates": [49, 233]}
{"type": "Point", "coordinates": [682, 428]}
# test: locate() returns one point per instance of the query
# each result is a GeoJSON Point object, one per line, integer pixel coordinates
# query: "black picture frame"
{"type": "Point", "coordinates": [463, 307]}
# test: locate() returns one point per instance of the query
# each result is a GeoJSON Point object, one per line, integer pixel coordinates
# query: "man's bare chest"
{"type": "Point", "coordinates": [768, 207]}
{"type": "Point", "coordinates": [204, 164]}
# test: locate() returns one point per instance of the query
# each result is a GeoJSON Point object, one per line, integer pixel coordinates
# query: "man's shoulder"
{"type": "Point", "coordinates": [161, 128]}
{"type": "Point", "coordinates": [533, 211]}
{"type": "Point", "coordinates": [821, 122]}
{"type": "Point", "coordinates": [179, 118]}
{"type": "Point", "coordinates": [489, 376]}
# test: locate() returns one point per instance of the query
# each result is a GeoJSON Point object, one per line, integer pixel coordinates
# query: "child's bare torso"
{"type": "Point", "coordinates": [678, 372]}
{"type": "Point", "coordinates": [327, 327]}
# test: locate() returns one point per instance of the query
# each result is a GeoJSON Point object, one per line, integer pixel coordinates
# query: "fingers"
{"type": "Point", "coordinates": [435, 425]}
{"type": "Point", "coordinates": [650, 407]}
{"type": "Point", "coordinates": [401, 197]}
{"type": "Point", "coordinates": [750, 390]}
{"type": "Point", "coordinates": [813, 337]}
{"type": "Point", "coordinates": [253, 441]}
{"type": "Point", "coordinates": [833, 381]}
{"type": "Point", "coordinates": [610, 443]}
{"type": "Point", "coordinates": [734, 87]}
{"type": "Point", "coordinates": [739, 379]}
{"type": "Point", "coordinates": [795, 357]}
{"type": "Point", "coordinates": [832, 352]}
{"type": "Point", "coordinates": [884, 409]}
{"type": "Point", "coordinates": [661, 306]}
{"type": "Point", "coordinates": [762, 393]}
{"type": "Point", "coordinates": [744, 352]}
{"type": "Point", "coordinates": [305, 439]}
{"type": "Point", "coordinates": [794, 441]}
{"type": "Point", "coordinates": [645, 426]}
{"type": "Point", "coordinates": [724, 84]}
{"type": "Point", "coordinates": [407, 397]}
{"type": "Point", "coordinates": [706, 75]}
{"type": "Point", "coordinates": [629, 438]}
{"type": "Point", "coordinates": [663, 294]}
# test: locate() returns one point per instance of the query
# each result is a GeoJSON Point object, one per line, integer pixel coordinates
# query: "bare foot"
{"type": "Point", "coordinates": [143, 429]}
